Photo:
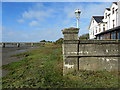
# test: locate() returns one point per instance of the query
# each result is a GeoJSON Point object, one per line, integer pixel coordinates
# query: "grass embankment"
{"type": "Point", "coordinates": [43, 68]}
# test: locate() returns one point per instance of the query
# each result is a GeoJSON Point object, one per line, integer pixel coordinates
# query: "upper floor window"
{"type": "Point", "coordinates": [116, 10]}
{"type": "Point", "coordinates": [117, 17]}
{"type": "Point", "coordinates": [104, 27]}
{"type": "Point", "coordinates": [96, 29]}
{"type": "Point", "coordinates": [99, 29]}
{"type": "Point", "coordinates": [105, 15]}
{"type": "Point", "coordinates": [113, 10]}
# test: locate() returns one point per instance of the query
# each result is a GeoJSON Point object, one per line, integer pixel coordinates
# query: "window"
{"type": "Point", "coordinates": [113, 35]}
{"type": "Point", "coordinates": [98, 37]}
{"type": "Point", "coordinates": [99, 29]}
{"type": "Point", "coordinates": [104, 27]}
{"type": "Point", "coordinates": [93, 32]}
{"type": "Point", "coordinates": [105, 15]}
{"type": "Point", "coordinates": [119, 35]}
{"type": "Point", "coordinates": [113, 23]}
{"type": "Point", "coordinates": [101, 37]}
{"type": "Point", "coordinates": [96, 29]}
{"type": "Point", "coordinates": [112, 10]}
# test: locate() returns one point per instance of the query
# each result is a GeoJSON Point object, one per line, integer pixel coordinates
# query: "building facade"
{"type": "Point", "coordinates": [119, 12]}
{"type": "Point", "coordinates": [96, 26]}
{"type": "Point", "coordinates": [107, 26]}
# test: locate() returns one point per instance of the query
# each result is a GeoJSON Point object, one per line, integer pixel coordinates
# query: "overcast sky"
{"type": "Point", "coordinates": [35, 21]}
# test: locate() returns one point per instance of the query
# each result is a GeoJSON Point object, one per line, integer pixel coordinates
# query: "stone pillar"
{"type": "Point", "coordinates": [70, 50]}
{"type": "Point", "coordinates": [3, 45]}
{"type": "Point", "coordinates": [18, 44]}
{"type": "Point", "coordinates": [32, 44]}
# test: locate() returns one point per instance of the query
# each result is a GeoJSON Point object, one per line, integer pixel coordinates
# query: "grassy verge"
{"type": "Point", "coordinates": [42, 68]}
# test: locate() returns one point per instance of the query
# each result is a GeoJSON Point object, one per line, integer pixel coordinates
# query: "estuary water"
{"type": "Point", "coordinates": [7, 52]}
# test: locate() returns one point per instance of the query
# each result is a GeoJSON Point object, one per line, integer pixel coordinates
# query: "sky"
{"type": "Point", "coordinates": [36, 21]}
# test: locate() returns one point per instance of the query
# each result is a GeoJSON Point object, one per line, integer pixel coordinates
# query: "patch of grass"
{"type": "Point", "coordinates": [39, 69]}
{"type": "Point", "coordinates": [42, 68]}
{"type": "Point", "coordinates": [94, 79]}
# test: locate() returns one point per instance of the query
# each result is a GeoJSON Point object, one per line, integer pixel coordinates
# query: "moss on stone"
{"type": "Point", "coordinates": [71, 28]}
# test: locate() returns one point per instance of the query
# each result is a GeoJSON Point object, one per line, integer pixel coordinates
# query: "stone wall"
{"type": "Point", "coordinates": [89, 54]}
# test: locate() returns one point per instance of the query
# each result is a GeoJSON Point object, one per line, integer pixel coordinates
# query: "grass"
{"type": "Point", "coordinates": [42, 68]}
